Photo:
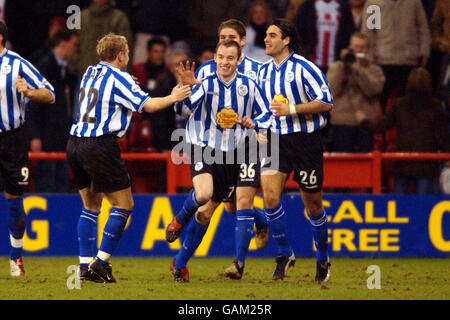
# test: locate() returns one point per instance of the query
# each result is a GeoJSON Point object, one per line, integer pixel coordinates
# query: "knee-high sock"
{"type": "Point", "coordinates": [243, 233]}
{"type": "Point", "coordinates": [189, 208]}
{"type": "Point", "coordinates": [194, 236]}
{"type": "Point", "coordinates": [319, 227]}
{"type": "Point", "coordinates": [260, 218]}
{"type": "Point", "coordinates": [87, 235]}
{"type": "Point", "coordinates": [16, 226]}
{"type": "Point", "coordinates": [113, 232]}
{"type": "Point", "coordinates": [277, 226]}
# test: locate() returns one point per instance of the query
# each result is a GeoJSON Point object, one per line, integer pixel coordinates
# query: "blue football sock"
{"type": "Point", "coordinates": [113, 231]}
{"type": "Point", "coordinates": [260, 218]}
{"type": "Point", "coordinates": [16, 225]}
{"type": "Point", "coordinates": [277, 225]}
{"type": "Point", "coordinates": [87, 235]}
{"type": "Point", "coordinates": [319, 227]}
{"type": "Point", "coordinates": [243, 233]}
{"type": "Point", "coordinates": [194, 236]}
{"type": "Point", "coordinates": [189, 208]}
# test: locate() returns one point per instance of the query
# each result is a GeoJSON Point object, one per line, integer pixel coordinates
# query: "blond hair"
{"type": "Point", "coordinates": [110, 45]}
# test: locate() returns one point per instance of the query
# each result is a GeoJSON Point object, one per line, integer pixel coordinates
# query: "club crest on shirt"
{"type": "Point", "coordinates": [324, 88]}
{"type": "Point", "coordinates": [226, 118]}
{"type": "Point", "coordinates": [251, 74]}
{"type": "Point", "coordinates": [6, 68]}
{"type": "Point", "coordinates": [290, 76]}
{"type": "Point", "coordinates": [198, 166]}
{"type": "Point", "coordinates": [242, 90]}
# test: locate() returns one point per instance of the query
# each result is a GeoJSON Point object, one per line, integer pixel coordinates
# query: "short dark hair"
{"type": "Point", "coordinates": [288, 29]}
{"type": "Point", "coordinates": [3, 32]}
{"type": "Point", "coordinates": [62, 35]}
{"type": "Point", "coordinates": [230, 43]}
{"type": "Point", "coordinates": [234, 24]}
{"type": "Point", "coordinates": [154, 41]}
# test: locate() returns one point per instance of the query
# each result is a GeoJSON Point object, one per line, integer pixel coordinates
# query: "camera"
{"type": "Point", "coordinates": [349, 58]}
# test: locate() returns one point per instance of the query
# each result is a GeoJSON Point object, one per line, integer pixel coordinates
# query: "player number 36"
{"type": "Point", "coordinates": [247, 171]}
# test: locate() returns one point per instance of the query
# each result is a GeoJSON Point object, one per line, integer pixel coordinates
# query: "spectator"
{"type": "Point", "coordinates": [99, 19]}
{"type": "Point", "coordinates": [259, 19]}
{"type": "Point", "coordinates": [440, 26]}
{"type": "Point", "coordinates": [292, 9]}
{"type": "Point", "coordinates": [163, 122]}
{"type": "Point", "coordinates": [357, 7]}
{"type": "Point", "coordinates": [153, 68]}
{"type": "Point", "coordinates": [49, 124]}
{"type": "Point", "coordinates": [205, 16]}
{"type": "Point", "coordinates": [55, 24]}
{"type": "Point", "coordinates": [355, 82]}
{"type": "Point", "coordinates": [325, 27]}
{"type": "Point", "coordinates": [401, 44]}
{"type": "Point", "coordinates": [417, 114]}
{"type": "Point", "coordinates": [206, 55]}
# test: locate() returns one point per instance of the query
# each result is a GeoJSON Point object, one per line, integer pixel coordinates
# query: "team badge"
{"type": "Point", "coordinates": [6, 69]}
{"type": "Point", "coordinates": [242, 90]}
{"type": "Point", "coordinates": [251, 74]}
{"type": "Point", "coordinates": [198, 166]}
{"type": "Point", "coordinates": [324, 88]}
{"type": "Point", "coordinates": [226, 118]}
{"type": "Point", "coordinates": [290, 76]}
{"type": "Point", "coordinates": [135, 88]}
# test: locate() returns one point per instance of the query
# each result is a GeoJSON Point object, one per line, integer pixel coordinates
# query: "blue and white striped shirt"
{"type": "Point", "coordinates": [248, 66]}
{"type": "Point", "coordinates": [13, 106]}
{"type": "Point", "coordinates": [215, 105]}
{"type": "Point", "coordinates": [299, 81]}
{"type": "Point", "coordinates": [108, 97]}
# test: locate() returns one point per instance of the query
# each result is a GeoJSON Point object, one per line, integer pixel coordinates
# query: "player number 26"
{"type": "Point", "coordinates": [312, 177]}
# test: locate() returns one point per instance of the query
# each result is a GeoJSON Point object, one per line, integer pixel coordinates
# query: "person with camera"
{"type": "Point", "coordinates": [356, 83]}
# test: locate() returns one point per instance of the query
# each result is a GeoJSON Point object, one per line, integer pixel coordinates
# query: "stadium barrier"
{"type": "Point", "coordinates": [359, 226]}
{"type": "Point", "coordinates": [339, 168]}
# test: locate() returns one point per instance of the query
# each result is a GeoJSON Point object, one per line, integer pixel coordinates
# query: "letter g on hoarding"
{"type": "Point", "coordinates": [435, 229]}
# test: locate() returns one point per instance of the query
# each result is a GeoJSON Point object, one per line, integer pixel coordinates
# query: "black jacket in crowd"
{"type": "Point", "coordinates": [51, 122]}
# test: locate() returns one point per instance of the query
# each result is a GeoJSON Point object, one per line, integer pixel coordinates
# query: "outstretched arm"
{"type": "Point", "coordinates": [179, 93]}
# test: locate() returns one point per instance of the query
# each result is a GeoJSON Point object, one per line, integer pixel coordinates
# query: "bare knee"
{"type": "Point", "coordinates": [313, 207]}
{"type": "Point", "coordinates": [244, 202]}
{"type": "Point", "coordinates": [203, 217]}
{"type": "Point", "coordinates": [203, 195]}
{"type": "Point", "coordinates": [271, 199]}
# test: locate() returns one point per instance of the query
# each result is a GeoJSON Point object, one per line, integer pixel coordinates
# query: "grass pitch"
{"type": "Point", "coordinates": [149, 278]}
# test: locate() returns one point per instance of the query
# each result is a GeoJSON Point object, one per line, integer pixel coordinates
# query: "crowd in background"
{"type": "Point", "coordinates": [393, 80]}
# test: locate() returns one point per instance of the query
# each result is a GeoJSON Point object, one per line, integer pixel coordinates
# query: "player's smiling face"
{"type": "Point", "coordinates": [273, 41]}
{"type": "Point", "coordinates": [229, 33]}
{"type": "Point", "coordinates": [227, 61]}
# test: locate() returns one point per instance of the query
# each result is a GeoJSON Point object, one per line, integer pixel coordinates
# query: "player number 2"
{"type": "Point", "coordinates": [93, 95]}
{"type": "Point", "coordinates": [247, 171]}
{"type": "Point", "coordinates": [312, 177]}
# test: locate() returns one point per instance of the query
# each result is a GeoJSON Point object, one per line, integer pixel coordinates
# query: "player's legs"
{"type": "Point", "coordinates": [16, 225]}
{"type": "Point", "coordinates": [319, 228]}
{"type": "Point", "coordinates": [195, 231]}
{"type": "Point", "coordinates": [198, 196]}
{"type": "Point", "coordinates": [272, 183]}
{"type": "Point", "coordinates": [87, 226]}
{"type": "Point", "coordinates": [243, 231]}
{"type": "Point", "coordinates": [14, 171]}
